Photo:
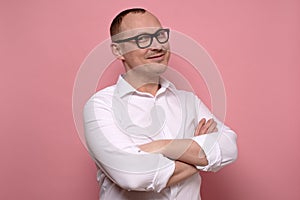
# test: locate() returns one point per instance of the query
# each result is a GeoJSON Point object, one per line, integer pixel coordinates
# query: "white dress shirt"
{"type": "Point", "coordinates": [119, 118]}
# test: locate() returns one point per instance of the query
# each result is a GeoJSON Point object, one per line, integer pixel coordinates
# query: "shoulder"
{"type": "Point", "coordinates": [186, 95]}
{"type": "Point", "coordinates": [103, 96]}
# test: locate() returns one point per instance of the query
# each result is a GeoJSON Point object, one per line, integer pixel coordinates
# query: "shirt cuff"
{"type": "Point", "coordinates": [209, 144]}
{"type": "Point", "coordinates": [162, 174]}
{"type": "Point", "coordinates": [162, 177]}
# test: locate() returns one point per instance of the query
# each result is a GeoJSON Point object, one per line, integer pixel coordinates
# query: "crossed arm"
{"type": "Point", "coordinates": [120, 160]}
{"type": "Point", "coordinates": [186, 152]}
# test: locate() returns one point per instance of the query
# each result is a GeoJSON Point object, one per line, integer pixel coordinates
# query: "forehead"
{"type": "Point", "coordinates": [139, 21]}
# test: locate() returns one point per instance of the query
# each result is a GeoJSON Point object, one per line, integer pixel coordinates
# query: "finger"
{"type": "Point", "coordinates": [209, 126]}
{"type": "Point", "coordinates": [212, 127]}
{"type": "Point", "coordinates": [215, 129]}
{"type": "Point", "coordinates": [206, 126]}
{"type": "Point", "coordinates": [199, 126]}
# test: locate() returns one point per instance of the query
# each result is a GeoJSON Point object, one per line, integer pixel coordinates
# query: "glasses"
{"type": "Point", "coordinates": [145, 40]}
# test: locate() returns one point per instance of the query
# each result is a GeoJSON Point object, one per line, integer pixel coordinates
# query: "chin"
{"type": "Point", "coordinates": [157, 70]}
{"type": "Point", "coordinates": [151, 69]}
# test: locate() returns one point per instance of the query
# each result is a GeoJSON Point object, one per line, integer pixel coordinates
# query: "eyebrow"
{"type": "Point", "coordinates": [152, 31]}
{"type": "Point", "coordinates": [144, 32]}
{"type": "Point", "coordinates": [137, 34]}
{"type": "Point", "coordinates": [140, 33]}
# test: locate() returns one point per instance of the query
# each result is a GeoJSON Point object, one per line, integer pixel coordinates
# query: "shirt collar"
{"type": "Point", "coordinates": [124, 88]}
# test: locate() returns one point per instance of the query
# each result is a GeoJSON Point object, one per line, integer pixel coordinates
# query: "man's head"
{"type": "Point", "coordinates": [139, 40]}
{"type": "Point", "coordinates": [115, 26]}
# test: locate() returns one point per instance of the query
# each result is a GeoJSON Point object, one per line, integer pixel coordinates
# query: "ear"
{"type": "Point", "coordinates": [116, 50]}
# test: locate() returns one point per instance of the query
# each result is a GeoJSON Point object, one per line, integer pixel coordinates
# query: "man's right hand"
{"type": "Point", "coordinates": [205, 127]}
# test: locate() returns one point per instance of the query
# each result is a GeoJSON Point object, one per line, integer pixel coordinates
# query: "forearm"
{"type": "Point", "coordinates": [184, 150]}
{"type": "Point", "coordinates": [221, 149]}
{"type": "Point", "coordinates": [182, 171]}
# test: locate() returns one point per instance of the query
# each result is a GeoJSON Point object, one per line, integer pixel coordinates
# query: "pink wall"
{"type": "Point", "coordinates": [255, 44]}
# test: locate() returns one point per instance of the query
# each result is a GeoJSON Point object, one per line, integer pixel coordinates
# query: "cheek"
{"type": "Point", "coordinates": [135, 58]}
{"type": "Point", "coordinates": [166, 46]}
{"type": "Point", "coordinates": [136, 54]}
{"type": "Point", "coordinates": [131, 49]}
{"type": "Point", "coordinates": [168, 54]}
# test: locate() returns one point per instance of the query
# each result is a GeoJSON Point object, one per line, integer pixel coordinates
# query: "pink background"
{"type": "Point", "coordinates": [255, 44]}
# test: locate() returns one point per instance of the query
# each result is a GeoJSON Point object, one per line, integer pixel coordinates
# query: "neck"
{"type": "Point", "coordinates": [149, 88]}
{"type": "Point", "coordinates": [148, 84]}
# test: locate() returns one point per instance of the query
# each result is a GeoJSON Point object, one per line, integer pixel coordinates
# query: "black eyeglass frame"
{"type": "Point", "coordinates": [148, 34]}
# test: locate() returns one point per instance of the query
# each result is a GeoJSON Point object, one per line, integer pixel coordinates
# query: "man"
{"type": "Point", "coordinates": [148, 139]}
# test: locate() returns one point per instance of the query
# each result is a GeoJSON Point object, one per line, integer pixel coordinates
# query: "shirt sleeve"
{"type": "Point", "coordinates": [118, 156]}
{"type": "Point", "coordinates": [220, 147]}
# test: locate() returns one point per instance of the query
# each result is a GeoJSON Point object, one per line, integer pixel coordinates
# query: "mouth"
{"type": "Point", "coordinates": [157, 57]}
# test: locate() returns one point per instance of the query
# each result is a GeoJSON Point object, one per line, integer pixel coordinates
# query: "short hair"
{"type": "Point", "coordinates": [116, 23]}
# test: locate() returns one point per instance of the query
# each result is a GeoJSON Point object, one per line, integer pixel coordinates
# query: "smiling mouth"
{"type": "Point", "coordinates": [156, 56]}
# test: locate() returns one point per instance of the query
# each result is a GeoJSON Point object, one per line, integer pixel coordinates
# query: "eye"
{"type": "Point", "coordinates": [162, 34]}
{"type": "Point", "coordinates": [144, 38]}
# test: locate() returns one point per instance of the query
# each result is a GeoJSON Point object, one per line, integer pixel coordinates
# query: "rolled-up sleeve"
{"type": "Point", "coordinates": [219, 147]}
{"type": "Point", "coordinates": [118, 156]}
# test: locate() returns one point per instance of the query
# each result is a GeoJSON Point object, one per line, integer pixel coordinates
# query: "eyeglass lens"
{"type": "Point", "coordinates": [145, 40]}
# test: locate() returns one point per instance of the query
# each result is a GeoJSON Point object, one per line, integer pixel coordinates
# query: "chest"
{"type": "Point", "coordinates": [165, 117]}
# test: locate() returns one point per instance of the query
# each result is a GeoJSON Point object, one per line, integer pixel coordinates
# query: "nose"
{"type": "Point", "coordinates": [156, 45]}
